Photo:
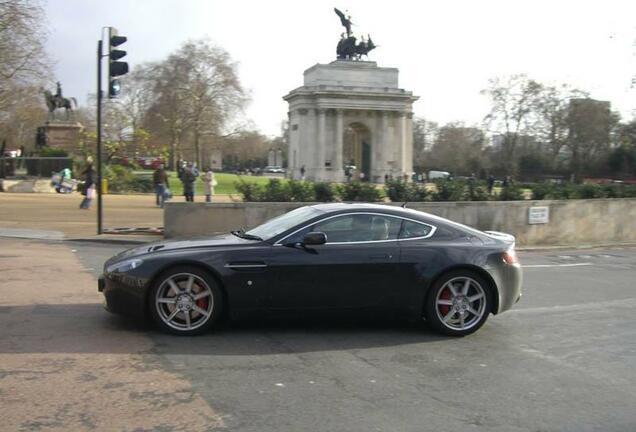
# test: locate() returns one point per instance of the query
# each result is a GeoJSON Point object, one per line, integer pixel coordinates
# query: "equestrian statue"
{"type": "Point", "coordinates": [55, 101]}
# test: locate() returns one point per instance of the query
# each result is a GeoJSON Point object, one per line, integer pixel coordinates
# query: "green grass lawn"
{"type": "Point", "coordinates": [225, 183]}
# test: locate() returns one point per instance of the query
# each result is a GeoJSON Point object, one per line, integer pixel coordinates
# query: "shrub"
{"type": "Point", "coordinates": [277, 191]}
{"type": "Point", "coordinates": [417, 192]}
{"type": "Point", "coordinates": [141, 184]}
{"type": "Point", "coordinates": [359, 191]}
{"type": "Point", "coordinates": [589, 191]}
{"type": "Point", "coordinates": [250, 192]}
{"type": "Point", "coordinates": [541, 191]}
{"type": "Point", "coordinates": [301, 191]}
{"type": "Point", "coordinates": [122, 179]}
{"type": "Point", "coordinates": [324, 192]}
{"type": "Point", "coordinates": [396, 190]}
{"type": "Point", "coordinates": [511, 193]}
{"type": "Point", "coordinates": [629, 191]}
{"type": "Point", "coordinates": [118, 178]}
{"type": "Point", "coordinates": [613, 191]}
{"type": "Point", "coordinates": [475, 192]}
{"type": "Point", "coordinates": [448, 190]}
{"type": "Point", "coordinates": [53, 152]}
{"type": "Point", "coordinates": [563, 192]}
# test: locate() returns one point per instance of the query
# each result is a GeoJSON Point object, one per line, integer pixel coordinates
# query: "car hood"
{"type": "Point", "coordinates": [170, 245]}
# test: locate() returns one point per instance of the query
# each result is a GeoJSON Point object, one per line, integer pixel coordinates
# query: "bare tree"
{"type": "Point", "coordinates": [22, 35]}
{"type": "Point", "coordinates": [590, 123]}
{"type": "Point", "coordinates": [198, 92]}
{"type": "Point", "coordinates": [458, 149]}
{"type": "Point", "coordinates": [23, 65]}
{"type": "Point", "coordinates": [551, 108]}
{"type": "Point", "coordinates": [513, 100]}
{"type": "Point", "coordinates": [424, 134]}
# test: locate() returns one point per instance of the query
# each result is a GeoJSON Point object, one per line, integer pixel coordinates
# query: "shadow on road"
{"type": "Point", "coordinates": [88, 328]}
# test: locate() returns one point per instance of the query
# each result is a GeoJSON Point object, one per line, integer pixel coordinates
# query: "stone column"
{"type": "Point", "coordinates": [402, 142]}
{"type": "Point", "coordinates": [386, 151]}
{"type": "Point", "coordinates": [302, 142]}
{"type": "Point", "coordinates": [408, 142]}
{"type": "Point", "coordinates": [321, 147]}
{"type": "Point", "coordinates": [337, 164]}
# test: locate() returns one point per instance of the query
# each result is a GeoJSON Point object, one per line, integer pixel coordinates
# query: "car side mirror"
{"type": "Point", "coordinates": [315, 238]}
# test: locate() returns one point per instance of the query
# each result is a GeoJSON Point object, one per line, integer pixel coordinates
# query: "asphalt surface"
{"type": "Point", "coordinates": [562, 360]}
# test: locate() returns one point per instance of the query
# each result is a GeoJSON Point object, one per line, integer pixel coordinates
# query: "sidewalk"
{"type": "Point", "coordinates": [57, 216]}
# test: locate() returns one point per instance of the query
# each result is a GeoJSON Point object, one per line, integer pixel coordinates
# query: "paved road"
{"type": "Point", "coordinates": [563, 360]}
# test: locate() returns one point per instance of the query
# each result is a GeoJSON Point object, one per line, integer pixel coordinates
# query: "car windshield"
{"type": "Point", "coordinates": [282, 223]}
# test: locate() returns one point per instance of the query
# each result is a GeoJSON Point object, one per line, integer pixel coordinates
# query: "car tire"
{"type": "Point", "coordinates": [186, 301]}
{"type": "Point", "coordinates": [458, 303]}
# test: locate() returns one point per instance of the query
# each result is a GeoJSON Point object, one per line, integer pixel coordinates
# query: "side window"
{"type": "Point", "coordinates": [360, 228]}
{"type": "Point", "coordinates": [414, 229]}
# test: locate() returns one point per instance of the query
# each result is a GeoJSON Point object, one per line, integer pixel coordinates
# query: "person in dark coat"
{"type": "Point", "coordinates": [89, 186]}
{"type": "Point", "coordinates": [160, 181]}
{"type": "Point", "coordinates": [490, 183]}
{"type": "Point", "coordinates": [188, 177]}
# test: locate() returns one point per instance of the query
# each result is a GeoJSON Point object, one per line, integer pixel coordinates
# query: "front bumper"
{"type": "Point", "coordinates": [123, 295]}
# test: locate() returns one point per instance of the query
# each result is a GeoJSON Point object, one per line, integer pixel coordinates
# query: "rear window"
{"type": "Point", "coordinates": [414, 230]}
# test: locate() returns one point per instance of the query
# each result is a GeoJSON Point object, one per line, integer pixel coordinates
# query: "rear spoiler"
{"type": "Point", "coordinates": [502, 236]}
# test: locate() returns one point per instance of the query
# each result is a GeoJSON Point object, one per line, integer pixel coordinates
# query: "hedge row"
{"type": "Point", "coordinates": [543, 191]}
{"type": "Point", "coordinates": [303, 191]}
{"type": "Point", "coordinates": [399, 191]}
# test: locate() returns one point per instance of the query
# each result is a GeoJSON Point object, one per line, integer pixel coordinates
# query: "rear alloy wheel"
{"type": "Point", "coordinates": [185, 301]}
{"type": "Point", "coordinates": [458, 304]}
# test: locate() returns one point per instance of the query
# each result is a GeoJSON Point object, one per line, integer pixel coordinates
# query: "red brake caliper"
{"type": "Point", "coordinates": [445, 295]}
{"type": "Point", "coordinates": [202, 303]}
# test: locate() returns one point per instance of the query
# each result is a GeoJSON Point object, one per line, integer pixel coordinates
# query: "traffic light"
{"type": "Point", "coordinates": [115, 67]}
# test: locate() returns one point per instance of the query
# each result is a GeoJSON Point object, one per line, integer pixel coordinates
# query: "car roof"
{"type": "Point", "coordinates": [384, 208]}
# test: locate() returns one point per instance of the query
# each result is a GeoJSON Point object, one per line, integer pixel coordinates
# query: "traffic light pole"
{"type": "Point", "coordinates": [99, 137]}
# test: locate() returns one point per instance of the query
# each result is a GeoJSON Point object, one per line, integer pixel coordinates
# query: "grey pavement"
{"type": "Point", "coordinates": [562, 360]}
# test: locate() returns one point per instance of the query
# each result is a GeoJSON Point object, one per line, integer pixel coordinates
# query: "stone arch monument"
{"type": "Point", "coordinates": [350, 112]}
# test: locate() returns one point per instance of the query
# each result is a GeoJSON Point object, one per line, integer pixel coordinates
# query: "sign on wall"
{"type": "Point", "coordinates": [538, 215]}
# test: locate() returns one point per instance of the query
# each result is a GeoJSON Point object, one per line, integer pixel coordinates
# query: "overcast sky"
{"type": "Point", "coordinates": [446, 50]}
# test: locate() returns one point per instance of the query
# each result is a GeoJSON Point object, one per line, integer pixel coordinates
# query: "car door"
{"type": "Point", "coordinates": [354, 269]}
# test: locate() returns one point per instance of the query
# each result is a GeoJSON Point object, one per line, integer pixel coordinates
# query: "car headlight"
{"type": "Point", "coordinates": [124, 266]}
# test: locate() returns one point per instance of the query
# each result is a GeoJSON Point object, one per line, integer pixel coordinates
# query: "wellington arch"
{"type": "Point", "coordinates": [350, 113]}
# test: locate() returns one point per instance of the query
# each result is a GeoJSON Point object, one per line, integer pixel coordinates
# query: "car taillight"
{"type": "Point", "coordinates": [510, 256]}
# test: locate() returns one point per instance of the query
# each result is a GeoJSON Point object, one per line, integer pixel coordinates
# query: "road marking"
{"type": "Point", "coordinates": [556, 265]}
{"type": "Point", "coordinates": [628, 303]}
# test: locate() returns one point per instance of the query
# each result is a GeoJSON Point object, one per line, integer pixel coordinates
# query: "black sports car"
{"type": "Point", "coordinates": [323, 257]}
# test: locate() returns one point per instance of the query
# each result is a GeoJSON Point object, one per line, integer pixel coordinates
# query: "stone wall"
{"type": "Point", "coordinates": [571, 222]}
{"type": "Point", "coordinates": [26, 186]}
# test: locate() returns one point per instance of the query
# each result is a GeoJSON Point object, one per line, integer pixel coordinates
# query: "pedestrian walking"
{"type": "Point", "coordinates": [89, 185]}
{"type": "Point", "coordinates": [208, 184]}
{"type": "Point", "coordinates": [490, 183]}
{"type": "Point", "coordinates": [160, 181]}
{"type": "Point", "coordinates": [302, 172]}
{"type": "Point", "coordinates": [188, 178]}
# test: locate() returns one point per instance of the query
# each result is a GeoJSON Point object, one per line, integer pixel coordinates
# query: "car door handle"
{"type": "Point", "coordinates": [380, 256]}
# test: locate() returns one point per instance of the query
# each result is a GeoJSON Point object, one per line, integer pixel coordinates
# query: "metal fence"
{"type": "Point", "coordinates": [11, 167]}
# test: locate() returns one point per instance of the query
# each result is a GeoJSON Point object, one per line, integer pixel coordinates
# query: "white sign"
{"type": "Point", "coordinates": [538, 215]}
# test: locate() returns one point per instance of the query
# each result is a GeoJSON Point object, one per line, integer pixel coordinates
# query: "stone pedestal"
{"type": "Point", "coordinates": [63, 135]}
{"type": "Point", "coordinates": [350, 113]}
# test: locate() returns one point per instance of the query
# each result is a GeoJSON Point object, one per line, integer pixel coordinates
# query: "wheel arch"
{"type": "Point", "coordinates": [494, 289]}
{"type": "Point", "coordinates": [192, 263]}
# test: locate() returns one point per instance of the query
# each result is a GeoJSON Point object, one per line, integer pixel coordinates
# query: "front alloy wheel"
{"type": "Point", "coordinates": [186, 301]}
{"type": "Point", "coordinates": [458, 304]}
